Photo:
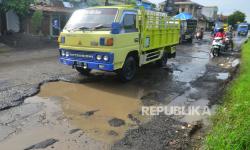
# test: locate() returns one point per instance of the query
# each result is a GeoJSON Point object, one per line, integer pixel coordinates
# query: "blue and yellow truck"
{"type": "Point", "coordinates": [117, 39]}
{"type": "Point", "coordinates": [242, 29]}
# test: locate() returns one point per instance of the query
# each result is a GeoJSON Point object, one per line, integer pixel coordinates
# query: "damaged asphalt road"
{"type": "Point", "coordinates": [99, 112]}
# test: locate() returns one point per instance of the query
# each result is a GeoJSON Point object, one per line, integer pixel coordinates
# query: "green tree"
{"type": "Point", "coordinates": [131, 2]}
{"type": "Point", "coordinates": [21, 7]}
{"type": "Point", "coordinates": [154, 5]}
{"type": "Point", "coordinates": [106, 2]}
{"type": "Point", "coordinates": [36, 21]}
{"type": "Point", "coordinates": [237, 16]}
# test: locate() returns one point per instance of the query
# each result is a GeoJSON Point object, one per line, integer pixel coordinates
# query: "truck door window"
{"type": "Point", "coordinates": [129, 23]}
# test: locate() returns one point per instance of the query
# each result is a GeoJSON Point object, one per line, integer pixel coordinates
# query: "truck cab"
{"type": "Point", "coordinates": [242, 29]}
{"type": "Point", "coordinates": [114, 38]}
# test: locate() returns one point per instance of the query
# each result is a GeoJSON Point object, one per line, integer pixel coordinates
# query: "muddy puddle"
{"type": "Point", "coordinates": [104, 112]}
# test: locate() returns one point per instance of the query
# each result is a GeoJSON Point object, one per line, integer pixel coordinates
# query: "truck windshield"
{"type": "Point", "coordinates": [93, 18]}
{"type": "Point", "coordinates": [243, 27]}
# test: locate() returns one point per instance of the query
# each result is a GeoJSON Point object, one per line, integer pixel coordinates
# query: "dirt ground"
{"type": "Point", "coordinates": [99, 112]}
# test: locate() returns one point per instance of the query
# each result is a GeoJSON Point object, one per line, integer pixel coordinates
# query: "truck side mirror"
{"type": "Point", "coordinates": [116, 28]}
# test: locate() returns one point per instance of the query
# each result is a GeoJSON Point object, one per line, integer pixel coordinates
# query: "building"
{"type": "Point", "coordinates": [210, 14]}
{"type": "Point", "coordinates": [222, 18]}
{"type": "Point", "coordinates": [55, 16]}
{"type": "Point", "coordinates": [168, 6]}
{"type": "Point", "coordinates": [184, 6]}
{"type": "Point", "coordinates": [114, 2]}
{"type": "Point", "coordinates": [188, 6]}
{"type": "Point", "coordinates": [57, 12]}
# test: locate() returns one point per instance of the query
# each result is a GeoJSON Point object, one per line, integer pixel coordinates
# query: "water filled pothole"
{"type": "Point", "coordinates": [102, 111]}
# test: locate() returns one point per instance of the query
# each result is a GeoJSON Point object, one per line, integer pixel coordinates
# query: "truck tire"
{"type": "Point", "coordinates": [190, 40]}
{"type": "Point", "coordinates": [163, 61]}
{"type": "Point", "coordinates": [173, 55]}
{"type": "Point", "coordinates": [83, 71]}
{"type": "Point", "coordinates": [215, 52]}
{"type": "Point", "coordinates": [129, 69]}
{"type": "Point", "coordinates": [180, 40]}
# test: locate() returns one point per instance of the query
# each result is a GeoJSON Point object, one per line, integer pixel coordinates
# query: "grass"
{"type": "Point", "coordinates": [231, 124]}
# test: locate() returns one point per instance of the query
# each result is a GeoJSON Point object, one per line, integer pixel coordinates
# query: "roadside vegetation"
{"type": "Point", "coordinates": [231, 124]}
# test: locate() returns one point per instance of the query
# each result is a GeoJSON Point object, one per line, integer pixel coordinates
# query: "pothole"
{"type": "Point", "coordinates": [91, 106]}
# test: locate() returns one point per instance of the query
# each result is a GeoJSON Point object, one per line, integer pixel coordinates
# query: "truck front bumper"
{"type": "Point", "coordinates": [87, 60]}
{"type": "Point", "coordinates": [89, 65]}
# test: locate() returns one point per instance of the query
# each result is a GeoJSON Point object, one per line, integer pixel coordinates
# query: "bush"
{"type": "Point", "coordinates": [36, 21]}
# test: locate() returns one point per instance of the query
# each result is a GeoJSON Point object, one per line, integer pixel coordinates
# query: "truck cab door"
{"type": "Point", "coordinates": [129, 31]}
{"type": "Point", "coordinates": [128, 38]}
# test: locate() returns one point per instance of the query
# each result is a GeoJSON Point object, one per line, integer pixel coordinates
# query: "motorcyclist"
{"type": "Point", "coordinates": [221, 34]}
{"type": "Point", "coordinates": [199, 34]}
{"type": "Point", "coordinates": [229, 43]}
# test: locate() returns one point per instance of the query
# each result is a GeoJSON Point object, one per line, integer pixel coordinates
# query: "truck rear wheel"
{"type": "Point", "coordinates": [83, 71]}
{"type": "Point", "coordinates": [190, 40]}
{"type": "Point", "coordinates": [129, 69]}
{"type": "Point", "coordinates": [163, 61]}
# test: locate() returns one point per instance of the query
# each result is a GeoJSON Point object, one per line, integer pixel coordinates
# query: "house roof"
{"type": "Point", "coordinates": [51, 9]}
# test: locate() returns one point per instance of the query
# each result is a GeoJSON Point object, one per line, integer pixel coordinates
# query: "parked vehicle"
{"type": "Point", "coordinates": [242, 29]}
{"type": "Point", "coordinates": [118, 39]}
{"type": "Point", "coordinates": [217, 46]}
{"type": "Point", "coordinates": [188, 27]}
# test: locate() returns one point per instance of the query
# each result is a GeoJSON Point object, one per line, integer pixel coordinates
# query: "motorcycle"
{"type": "Point", "coordinates": [199, 35]}
{"type": "Point", "coordinates": [217, 46]}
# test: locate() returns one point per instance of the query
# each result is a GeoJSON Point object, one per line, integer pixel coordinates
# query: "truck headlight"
{"type": "Point", "coordinates": [67, 54]}
{"type": "Point", "coordinates": [63, 53]}
{"type": "Point", "coordinates": [106, 58]}
{"type": "Point", "coordinates": [99, 57]}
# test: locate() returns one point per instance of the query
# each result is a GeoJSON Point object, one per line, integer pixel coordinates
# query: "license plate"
{"type": "Point", "coordinates": [81, 64]}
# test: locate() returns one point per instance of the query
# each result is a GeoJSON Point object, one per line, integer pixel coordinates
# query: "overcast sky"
{"type": "Point", "coordinates": [225, 6]}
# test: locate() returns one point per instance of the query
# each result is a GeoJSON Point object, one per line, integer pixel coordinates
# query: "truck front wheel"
{"type": "Point", "coordinates": [83, 71]}
{"type": "Point", "coordinates": [129, 69]}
